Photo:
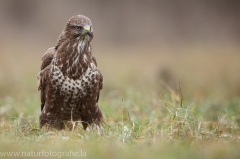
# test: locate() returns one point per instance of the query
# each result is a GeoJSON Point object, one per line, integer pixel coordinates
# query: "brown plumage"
{"type": "Point", "coordinates": [69, 80]}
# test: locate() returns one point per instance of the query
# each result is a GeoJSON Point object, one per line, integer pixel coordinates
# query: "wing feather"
{"type": "Point", "coordinates": [94, 60]}
{"type": "Point", "coordinates": [100, 85]}
{"type": "Point", "coordinates": [44, 73]}
{"type": "Point", "coordinates": [47, 57]}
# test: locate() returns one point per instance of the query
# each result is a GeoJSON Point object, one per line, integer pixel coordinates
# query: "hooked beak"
{"type": "Point", "coordinates": [88, 31]}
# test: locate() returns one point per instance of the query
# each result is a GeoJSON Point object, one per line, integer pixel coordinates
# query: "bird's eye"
{"type": "Point", "coordinates": [79, 27]}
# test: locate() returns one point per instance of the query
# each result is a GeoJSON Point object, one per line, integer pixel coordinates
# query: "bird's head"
{"type": "Point", "coordinates": [79, 26]}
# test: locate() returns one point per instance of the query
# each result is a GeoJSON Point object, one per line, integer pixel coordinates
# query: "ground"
{"type": "Point", "coordinates": [144, 119]}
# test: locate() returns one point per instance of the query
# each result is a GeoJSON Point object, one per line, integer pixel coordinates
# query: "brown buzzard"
{"type": "Point", "coordinates": [69, 80]}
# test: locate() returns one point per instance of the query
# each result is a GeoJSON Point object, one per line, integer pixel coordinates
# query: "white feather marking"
{"type": "Point", "coordinates": [88, 70]}
{"type": "Point", "coordinates": [74, 45]}
{"type": "Point", "coordinates": [55, 77]}
{"type": "Point", "coordinates": [76, 61]}
{"type": "Point", "coordinates": [93, 65]}
{"type": "Point", "coordinates": [78, 84]}
{"type": "Point", "coordinates": [85, 58]}
{"type": "Point", "coordinates": [84, 78]}
{"type": "Point", "coordinates": [81, 46]}
{"type": "Point", "coordinates": [67, 46]}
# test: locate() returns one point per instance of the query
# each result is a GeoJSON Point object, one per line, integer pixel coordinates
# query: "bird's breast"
{"type": "Point", "coordinates": [73, 88]}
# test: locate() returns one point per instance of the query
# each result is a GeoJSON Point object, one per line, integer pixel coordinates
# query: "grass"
{"type": "Point", "coordinates": [144, 119]}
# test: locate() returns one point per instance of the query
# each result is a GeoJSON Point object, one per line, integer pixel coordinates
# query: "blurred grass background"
{"type": "Point", "coordinates": [135, 43]}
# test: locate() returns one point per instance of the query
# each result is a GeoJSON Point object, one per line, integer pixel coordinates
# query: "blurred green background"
{"type": "Point", "coordinates": [198, 41]}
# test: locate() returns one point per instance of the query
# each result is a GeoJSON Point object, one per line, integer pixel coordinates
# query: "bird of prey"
{"type": "Point", "coordinates": [69, 80]}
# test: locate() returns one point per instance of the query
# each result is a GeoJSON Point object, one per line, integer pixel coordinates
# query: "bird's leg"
{"type": "Point", "coordinates": [85, 122]}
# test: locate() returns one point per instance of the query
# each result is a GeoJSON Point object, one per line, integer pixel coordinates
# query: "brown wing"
{"type": "Point", "coordinates": [94, 60]}
{"type": "Point", "coordinates": [100, 85]}
{"type": "Point", "coordinates": [44, 73]}
{"type": "Point", "coordinates": [47, 57]}
{"type": "Point", "coordinates": [101, 78]}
